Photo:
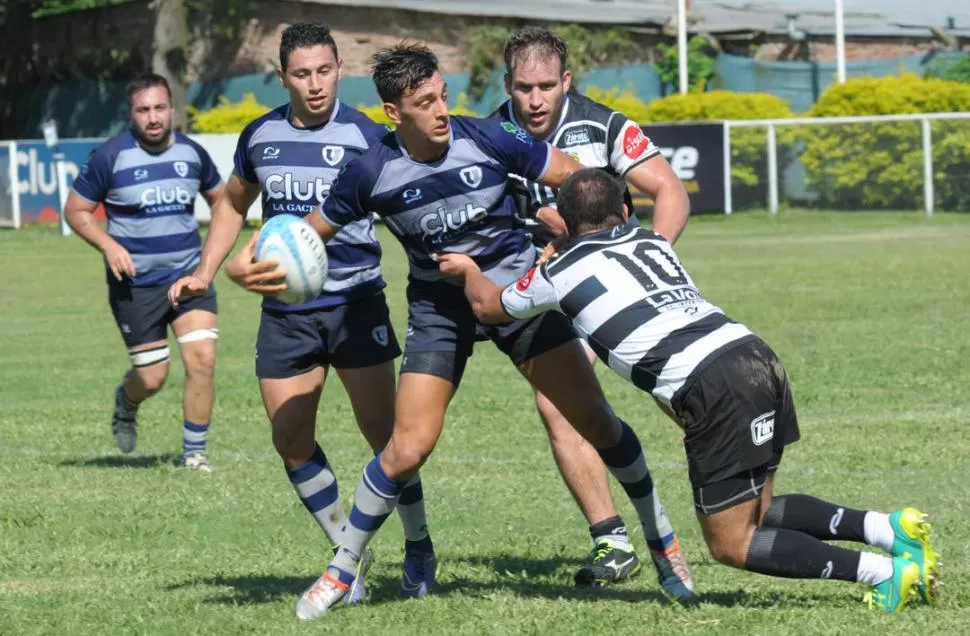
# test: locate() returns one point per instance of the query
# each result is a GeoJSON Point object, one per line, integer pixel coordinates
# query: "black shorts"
{"type": "Point", "coordinates": [738, 416]}
{"type": "Point", "coordinates": [358, 334]}
{"type": "Point", "coordinates": [442, 331]}
{"type": "Point", "coordinates": [143, 314]}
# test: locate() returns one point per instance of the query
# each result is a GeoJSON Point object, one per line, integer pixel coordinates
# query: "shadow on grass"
{"type": "Point", "coordinates": [530, 578]}
{"type": "Point", "coordinates": [124, 461]}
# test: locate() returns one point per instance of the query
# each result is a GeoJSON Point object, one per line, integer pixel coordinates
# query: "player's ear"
{"type": "Point", "coordinates": [626, 213]}
{"type": "Point", "coordinates": [508, 83]}
{"type": "Point", "coordinates": [280, 75]}
{"type": "Point", "coordinates": [392, 113]}
{"type": "Point", "coordinates": [567, 81]}
{"type": "Point", "coordinates": [340, 68]}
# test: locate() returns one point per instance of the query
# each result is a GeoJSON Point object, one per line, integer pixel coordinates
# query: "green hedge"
{"type": "Point", "coordinates": [880, 166]}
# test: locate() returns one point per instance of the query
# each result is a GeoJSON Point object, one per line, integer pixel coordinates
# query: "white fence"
{"type": "Point", "coordinates": [858, 133]}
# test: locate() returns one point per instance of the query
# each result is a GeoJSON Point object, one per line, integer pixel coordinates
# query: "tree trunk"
{"type": "Point", "coordinates": [169, 53]}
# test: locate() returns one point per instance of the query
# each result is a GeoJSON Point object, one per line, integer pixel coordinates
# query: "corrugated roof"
{"type": "Point", "coordinates": [862, 17]}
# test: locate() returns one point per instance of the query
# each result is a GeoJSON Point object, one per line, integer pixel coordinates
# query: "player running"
{"type": "Point", "coordinates": [628, 294]}
{"type": "Point", "coordinates": [148, 178]}
{"type": "Point", "coordinates": [438, 183]}
{"type": "Point", "coordinates": [541, 101]}
{"type": "Point", "coordinates": [291, 156]}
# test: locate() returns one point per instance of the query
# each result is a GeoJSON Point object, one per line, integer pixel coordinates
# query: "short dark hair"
{"type": "Point", "coordinates": [401, 69]}
{"type": "Point", "coordinates": [534, 42]}
{"type": "Point", "coordinates": [590, 199]}
{"type": "Point", "coordinates": [147, 80]}
{"type": "Point", "coordinates": [304, 35]}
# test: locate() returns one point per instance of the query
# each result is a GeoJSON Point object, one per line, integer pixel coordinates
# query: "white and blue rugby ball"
{"type": "Point", "coordinates": [300, 252]}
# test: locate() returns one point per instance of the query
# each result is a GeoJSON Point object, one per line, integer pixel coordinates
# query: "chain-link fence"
{"type": "Point", "coordinates": [893, 162]}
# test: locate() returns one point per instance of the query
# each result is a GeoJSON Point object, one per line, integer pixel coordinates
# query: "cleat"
{"type": "Point", "coordinates": [196, 461]}
{"type": "Point", "coordinates": [358, 591]}
{"type": "Point", "coordinates": [607, 564]}
{"type": "Point", "coordinates": [894, 593]}
{"type": "Point", "coordinates": [912, 541]}
{"type": "Point", "coordinates": [420, 573]}
{"type": "Point", "coordinates": [124, 428]}
{"type": "Point", "coordinates": [673, 573]}
{"type": "Point", "coordinates": [317, 599]}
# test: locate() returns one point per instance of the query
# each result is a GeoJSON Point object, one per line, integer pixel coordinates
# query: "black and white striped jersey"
{"type": "Point", "coordinates": [630, 298]}
{"type": "Point", "coordinates": [592, 134]}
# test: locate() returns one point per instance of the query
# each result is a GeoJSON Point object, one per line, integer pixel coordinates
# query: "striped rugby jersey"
{"type": "Point", "coordinates": [149, 199]}
{"type": "Point", "coordinates": [458, 203]}
{"type": "Point", "coordinates": [631, 299]}
{"type": "Point", "coordinates": [295, 168]}
{"type": "Point", "coordinates": [595, 136]}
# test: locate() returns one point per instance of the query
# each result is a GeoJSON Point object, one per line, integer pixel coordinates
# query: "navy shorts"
{"type": "Point", "coordinates": [143, 314]}
{"type": "Point", "coordinates": [358, 334]}
{"type": "Point", "coordinates": [442, 331]}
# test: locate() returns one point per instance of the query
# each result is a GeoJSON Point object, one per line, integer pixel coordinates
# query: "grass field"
{"type": "Point", "coordinates": [868, 312]}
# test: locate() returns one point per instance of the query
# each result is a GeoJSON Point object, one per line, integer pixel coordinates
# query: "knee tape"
{"type": "Point", "coordinates": [197, 335]}
{"type": "Point", "coordinates": [149, 357]}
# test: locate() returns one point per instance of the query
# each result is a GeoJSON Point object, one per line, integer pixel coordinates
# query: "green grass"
{"type": "Point", "coordinates": [868, 312]}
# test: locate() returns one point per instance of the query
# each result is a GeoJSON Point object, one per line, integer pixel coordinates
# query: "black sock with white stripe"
{"type": "Point", "coordinates": [817, 518]}
{"type": "Point", "coordinates": [795, 555]}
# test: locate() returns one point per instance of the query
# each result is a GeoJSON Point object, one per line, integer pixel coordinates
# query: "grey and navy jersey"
{"type": "Point", "coordinates": [295, 168]}
{"type": "Point", "coordinates": [630, 298]}
{"type": "Point", "coordinates": [457, 203]}
{"type": "Point", "coordinates": [149, 199]}
{"type": "Point", "coordinates": [593, 135]}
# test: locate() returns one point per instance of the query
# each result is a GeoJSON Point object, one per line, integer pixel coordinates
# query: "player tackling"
{"type": "Point", "coordinates": [542, 102]}
{"type": "Point", "coordinates": [629, 296]}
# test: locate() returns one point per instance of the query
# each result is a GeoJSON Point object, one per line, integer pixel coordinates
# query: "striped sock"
{"type": "Point", "coordinates": [627, 464]}
{"type": "Point", "coordinates": [316, 485]}
{"type": "Point", "coordinates": [410, 507]}
{"type": "Point", "coordinates": [376, 498]}
{"type": "Point", "coordinates": [193, 437]}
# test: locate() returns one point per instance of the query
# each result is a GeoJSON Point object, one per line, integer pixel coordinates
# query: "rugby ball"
{"type": "Point", "coordinates": [300, 252]}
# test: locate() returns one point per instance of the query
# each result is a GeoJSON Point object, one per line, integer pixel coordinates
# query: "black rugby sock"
{"type": "Point", "coordinates": [816, 518]}
{"type": "Point", "coordinates": [794, 555]}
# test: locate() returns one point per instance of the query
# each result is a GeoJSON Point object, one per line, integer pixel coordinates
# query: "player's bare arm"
{"type": "Point", "coordinates": [229, 205]}
{"type": "Point", "coordinates": [320, 224]}
{"type": "Point", "coordinates": [79, 213]}
{"type": "Point", "coordinates": [483, 295]}
{"type": "Point", "coordinates": [657, 179]}
{"type": "Point", "coordinates": [561, 166]}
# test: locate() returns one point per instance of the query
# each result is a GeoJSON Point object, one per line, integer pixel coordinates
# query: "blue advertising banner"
{"type": "Point", "coordinates": [37, 176]}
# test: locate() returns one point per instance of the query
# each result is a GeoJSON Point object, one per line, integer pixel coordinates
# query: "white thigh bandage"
{"type": "Point", "coordinates": [198, 334]}
{"type": "Point", "coordinates": [149, 357]}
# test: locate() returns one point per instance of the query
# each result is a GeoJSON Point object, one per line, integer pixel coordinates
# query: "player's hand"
{"type": "Point", "coordinates": [119, 261]}
{"type": "Point", "coordinates": [455, 265]}
{"type": "Point", "coordinates": [186, 286]}
{"type": "Point", "coordinates": [549, 216]}
{"type": "Point", "coordinates": [260, 277]}
{"type": "Point", "coordinates": [551, 249]}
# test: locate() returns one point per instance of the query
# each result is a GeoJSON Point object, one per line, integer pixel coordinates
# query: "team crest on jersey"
{"type": "Point", "coordinates": [509, 127]}
{"type": "Point", "coordinates": [333, 154]}
{"type": "Point", "coordinates": [471, 176]}
{"type": "Point", "coordinates": [181, 168]}
{"type": "Point", "coordinates": [573, 155]}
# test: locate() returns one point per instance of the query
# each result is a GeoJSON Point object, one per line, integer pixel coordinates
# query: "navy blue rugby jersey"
{"type": "Point", "coordinates": [295, 168]}
{"type": "Point", "coordinates": [460, 202]}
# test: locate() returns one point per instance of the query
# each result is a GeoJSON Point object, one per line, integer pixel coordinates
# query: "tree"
{"type": "Point", "coordinates": [169, 53]}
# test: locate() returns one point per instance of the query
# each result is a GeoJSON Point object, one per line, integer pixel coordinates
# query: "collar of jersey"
{"type": "Point", "coordinates": [333, 116]}
{"type": "Point", "coordinates": [407, 155]}
{"type": "Point", "coordinates": [552, 133]}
